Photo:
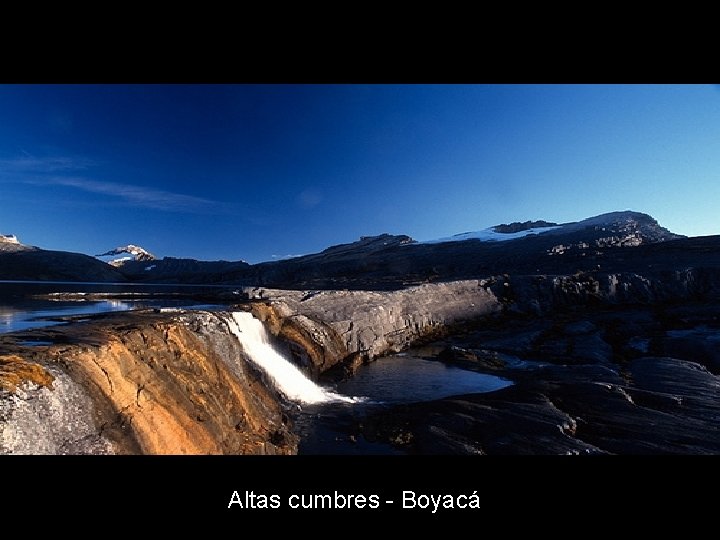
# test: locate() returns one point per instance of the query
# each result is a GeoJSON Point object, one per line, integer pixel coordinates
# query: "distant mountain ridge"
{"type": "Point", "coordinates": [391, 261]}
{"type": "Point", "coordinates": [22, 262]}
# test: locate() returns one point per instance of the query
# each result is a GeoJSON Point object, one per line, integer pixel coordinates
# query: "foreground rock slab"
{"type": "Point", "coordinates": [137, 383]}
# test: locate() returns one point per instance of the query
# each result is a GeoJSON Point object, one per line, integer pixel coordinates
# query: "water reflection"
{"type": "Point", "coordinates": [40, 304]}
{"type": "Point", "coordinates": [39, 313]}
{"type": "Point", "coordinates": [398, 378]}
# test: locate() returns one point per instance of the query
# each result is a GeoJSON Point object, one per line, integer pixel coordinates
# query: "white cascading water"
{"type": "Point", "coordinates": [287, 378]}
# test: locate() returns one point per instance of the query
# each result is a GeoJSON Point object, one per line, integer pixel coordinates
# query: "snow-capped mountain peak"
{"type": "Point", "coordinates": [9, 238]}
{"type": "Point", "coordinates": [10, 243]}
{"type": "Point", "coordinates": [615, 228]}
{"type": "Point", "coordinates": [134, 253]}
{"type": "Point", "coordinates": [497, 234]}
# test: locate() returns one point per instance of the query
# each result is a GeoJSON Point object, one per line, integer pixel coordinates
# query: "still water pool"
{"type": "Point", "coordinates": [25, 305]}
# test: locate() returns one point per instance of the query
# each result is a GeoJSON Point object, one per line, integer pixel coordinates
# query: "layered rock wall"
{"type": "Point", "coordinates": [344, 326]}
{"type": "Point", "coordinates": [143, 384]}
{"type": "Point", "coordinates": [336, 326]}
{"type": "Point", "coordinates": [542, 294]}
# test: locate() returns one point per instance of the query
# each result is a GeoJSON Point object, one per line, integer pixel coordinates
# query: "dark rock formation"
{"type": "Point", "coordinates": [348, 326]}
{"type": "Point", "coordinates": [516, 226]}
{"type": "Point", "coordinates": [174, 270]}
{"type": "Point", "coordinates": [699, 344]}
{"type": "Point", "coordinates": [22, 262]}
{"type": "Point", "coordinates": [640, 405]}
{"type": "Point", "coordinates": [43, 265]}
{"type": "Point", "coordinates": [336, 326]}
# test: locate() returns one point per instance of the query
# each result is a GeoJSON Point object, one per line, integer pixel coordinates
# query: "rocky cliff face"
{"type": "Point", "coordinates": [624, 223]}
{"type": "Point", "coordinates": [352, 326]}
{"type": "Point", "coordinates": [349, 327]}
{"type": "Point", "coordinates": [141, 383]}
{"type": "Point", "coordinates": [542, 294]}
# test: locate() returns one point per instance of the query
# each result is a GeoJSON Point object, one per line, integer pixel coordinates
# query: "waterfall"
{"type": "Point", "coordinates": [287, 377]}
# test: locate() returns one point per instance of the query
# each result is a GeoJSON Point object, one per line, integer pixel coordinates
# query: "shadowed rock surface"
{"type": "Point", "coordinates": [44, 265]}
{"type": "Point", "coordinates": [624, 403]}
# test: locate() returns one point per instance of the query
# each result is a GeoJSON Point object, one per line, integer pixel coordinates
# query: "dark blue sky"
{"type": "Point", "coordinates": [251, 172]}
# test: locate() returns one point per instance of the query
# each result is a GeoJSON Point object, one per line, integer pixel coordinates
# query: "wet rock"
{"type": "Point", "coordinates": [556, 350]}
{"type": "Point", "coordinates": [638, 344]}
{"type": "Point", "coordinates": [579, 328]}
{"type": "Point", "coordinates": [456, 354]}
{"type": "Point", "coordinates": [575, 349]}
{"type": "Point", "coordinates": [654, 406]}
{"type": "Point", "coordinates": [488, 359]}
{"type": "Point", "coordinates": [681, 387]}
{"type": "Point", "coordinates": [591, 348]}
{"type": "Point", "coordinates": [513, 423]}
{"type": "Point", "coordinates": [521, 343]}
{"type": "Point", "coordinates": [700, 344]}
{"type": "Point", "coordinates": [345, 369]}
{"type": "Point", "coordinates": [472, 359]}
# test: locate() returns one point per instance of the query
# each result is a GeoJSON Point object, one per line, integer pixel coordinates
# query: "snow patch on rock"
{"type": "Point", "coordinates": [490, 235]}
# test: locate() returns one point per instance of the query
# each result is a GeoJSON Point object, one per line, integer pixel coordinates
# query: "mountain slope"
{"type": "Point", "coordinates": [622, 225]}
{"type": "Point", "coordinates": [44, 265]}
{"type": "Point", "coordinates": [173, 270]}
{"type": "Point", "coordinates": [390, 261]}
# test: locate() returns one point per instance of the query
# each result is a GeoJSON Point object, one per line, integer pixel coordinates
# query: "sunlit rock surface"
{"type": "Point", "coordinates": [138, 383]}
